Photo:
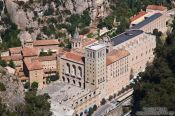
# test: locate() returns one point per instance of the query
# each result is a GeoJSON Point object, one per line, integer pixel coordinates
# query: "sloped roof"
{"type": "Point", "coordinates": [45, 42]}
{"type": "Point", "coordinates": [15, 50]}
{"type": "Point", "coordinates": [116, 55]}
{"type": "Point", "coordinates": [125, 36]}
{"type": "Point", "coordinates": [140, 14]}
{"type": "Point", "coordinates": [147, 21]}
{"type": "Point", "coordinates": [33, 65]}
{"type": "Point", "coordinates": [29, 52]}
{"type": "Point", "coordinates": [156, 7]}
{"type": "Point", "coordinates": [14, 58]}
{"type": "Point", "coordinates": [47, 58]}
{"type": "Point", "coordinates": [74, 57]}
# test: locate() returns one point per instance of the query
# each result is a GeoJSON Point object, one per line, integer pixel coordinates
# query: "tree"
{"type": "Point", "coordinates": [114, 96]}
{"type": "Point", "coordinates": [90, 112]}
{"type": "Point", "coordinates": [156, 87]}
{"type": "Point", "coordinates": [34, 86]}
{"type": "Point", "coordinates": [95, 107]}
{"type": "Point", "coordinates": [85, 19]}
{"type": "Point", "coordinates": [10, 37]}
{"type": "Point", "coordinates": [37, 105]}
{"type": "Point", "coordinates": [103, 101]}
{"type": "Point", "coordinates": [27, 85]}
{"type": "Point", "coordinates": [3, 63]}
{"type": "Point", "coordinates": [110, 98]}
{"type": "Point", "coordinates": [11, 64]}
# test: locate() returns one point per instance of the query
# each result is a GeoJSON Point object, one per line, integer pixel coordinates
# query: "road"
{"type": "Point", "coordinates": [102, 110]}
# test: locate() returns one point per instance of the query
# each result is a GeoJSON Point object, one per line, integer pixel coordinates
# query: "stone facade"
{"type": "Point", "coordinates": [30, 65]}
{"type": "Point", "coordinates": [72, 70]}
{"type": "Point", "coordinates": [108, 71]}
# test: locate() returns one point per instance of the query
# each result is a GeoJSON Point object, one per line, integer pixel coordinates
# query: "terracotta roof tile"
{"type": "Point", "coordinates": [29, 52]}
{"type": "Point", "coordinates": [47, 58]}
{"type": "Point", "coordinates": [156, 7]}
{"type": "Point", "coordinates": [74, 57]}
{"type": "Point", "coordinates": [140, 14]}
{"type": "Point", "coordinates": [115, 55]}
{"type": "Point", "coordinates": [15, 50]}
{"type": "Point", "coordinates": [33, 65]}
{"type": "Point", "coordinates": [24, 78]}
{"type": "Point", "coordinates": [45, 42]}
{"type": "Point", "coordinates": [89, 42]}
{"type": "Point", "coordinates": [14, 58]}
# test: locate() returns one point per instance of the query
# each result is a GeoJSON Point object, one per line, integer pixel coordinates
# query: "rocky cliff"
{"type": "Point", "coordinates": [24, 12]}
{"type": "Point", "coordinates": [13, 96]}
{"type": "Point", "coordinates": [97, 8]}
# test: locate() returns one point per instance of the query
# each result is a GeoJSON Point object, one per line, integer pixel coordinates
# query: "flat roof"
{"type": "Point", "coordinates": [96, 46]}
{"type": "Point", "coordinates": [125, 36]}
{"type": "Point", "coordinates": [147, 21]}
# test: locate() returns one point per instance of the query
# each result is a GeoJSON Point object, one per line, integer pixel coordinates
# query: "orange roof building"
{"type": "Point", "coordinates": [14, 58]}
{"type": "Point", "coordinates": [33, 65]}
{"type": "Point", "coordinates": [27, 52]}
{"type": "Point", "coordinates": [139, 15]}
{"type": "Point", "coordinates": [74, 57]}
{"type": "Point", "coordinates": [116, 55]}
{"type": "Point", "coordinates": [156, 7]}
{"type": "Point", "coordinates": [15, 50]}
{"type": "Point", "coordinates": [45, 42]}
{"type": "Point", "coordinates": [87, 43]}
{"type": "Point", "coordinates": [46, 58]}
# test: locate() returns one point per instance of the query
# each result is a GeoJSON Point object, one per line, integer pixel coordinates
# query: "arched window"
{"type": "Point", "coordinates": [73, 70]}
{"type": "Point", "coordinates": [80, 84]}
{"type": "Point", "coordinates": [67, 68]}
{"type": "Point", "coordinates": [80, 71]}
{"type": "Point", "coordinates": [68, 80]}
{"type": "Point", "coordinates": [63, 79]}
{"type": "Point", "coordinates": [74, 81]}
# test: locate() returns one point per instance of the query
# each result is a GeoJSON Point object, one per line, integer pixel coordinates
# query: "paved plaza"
{"type": "Point", "coordinates": [62, 97]}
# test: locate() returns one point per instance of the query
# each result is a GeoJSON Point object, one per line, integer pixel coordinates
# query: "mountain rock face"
{"type": "Point", "coordinates": [24, 16]}
{"type": "Point", "coordinates": [13, 96]}
{"type": "Point", "coordinates": [97, 8]}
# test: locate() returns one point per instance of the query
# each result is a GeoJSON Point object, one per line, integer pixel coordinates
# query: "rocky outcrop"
{"type": "Point", "coordinates": [25, 18]}
{"type": "Point", "coordinates": [97, 8]}
{"type": "Point", "coordinates": [18, 16]}
{"type": "Point", "coordinates": [13, 96]}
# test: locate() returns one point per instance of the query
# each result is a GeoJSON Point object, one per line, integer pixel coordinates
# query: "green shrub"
{"type": "Point", "coordinates": [90, 35]}
{"type": "Point", "coordinates": [11, 64]}
{"type": "Point", "coordinates": [34, 86]}
{"type": "Point", "coordinates": [84, 31]}
{"type": "Point", "coordinates": [103, 101]}
{"type": "Point", "coordinates": [27, 85]}
{"type": "Point", "coordinates": [3, 63]}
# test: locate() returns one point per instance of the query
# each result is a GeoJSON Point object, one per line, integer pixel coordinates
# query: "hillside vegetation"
{"type": "Point", "coordinates": [157, 86]}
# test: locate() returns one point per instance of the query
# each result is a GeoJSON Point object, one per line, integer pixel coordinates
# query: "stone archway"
{"type": "Point", "coordinates": [80, 84]}
{"type": "Point", "coordinates": [74, 82]}
{"type": "Point", "coordinates": [63, 79]}
{"type": "Point", "coordinates": [68, 80]}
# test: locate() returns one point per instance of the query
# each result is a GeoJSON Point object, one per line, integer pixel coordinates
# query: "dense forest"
{"type": "Point", "coordinates": [157, 85]}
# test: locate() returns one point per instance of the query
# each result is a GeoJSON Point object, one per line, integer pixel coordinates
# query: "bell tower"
{"type": "Point", "coordinates": [76, 41]}
{"type": "Point", "coordinates": [95, 67]}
